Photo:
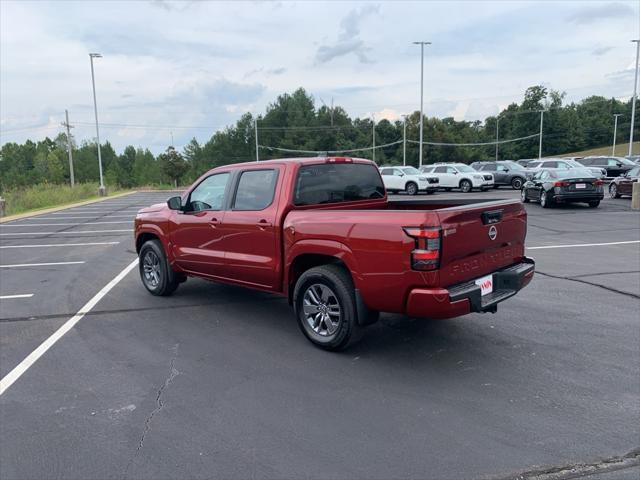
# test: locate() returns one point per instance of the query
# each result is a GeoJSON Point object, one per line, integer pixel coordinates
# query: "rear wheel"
{"type": "Point", "coordinates": [545, 201]}
{"type": "Point", "coordinates": [613, 191]}
{"type": "Point", "coordinates": [594, 204]}
{"type": "Point", "coordinates": [411, 188]}
{"type": "Point", "coordinates": [523, 195]}
{"type": "Point", "coordinates": [465, 186]}
{"type": "Point", "coordinates": [516, 183]}
{"type": "Point", "coordinates": [156, 274]}
{"type": "Point", "coordinates": [325, 307]}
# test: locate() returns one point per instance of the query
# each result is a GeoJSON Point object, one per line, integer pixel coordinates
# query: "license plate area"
{"type": "Point", "coordinates": [581, 185]}
{"type": "Point", "coordinates": [485, 284]}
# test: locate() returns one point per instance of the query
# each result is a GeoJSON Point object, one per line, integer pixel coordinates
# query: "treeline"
{"type": "Point", "coordinates": [293, 122]}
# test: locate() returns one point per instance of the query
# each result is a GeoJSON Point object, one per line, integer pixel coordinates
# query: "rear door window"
{"type": "Point", "coordinates": [256, 189]}
{"type": "Point", "coordinates": [337, 182]}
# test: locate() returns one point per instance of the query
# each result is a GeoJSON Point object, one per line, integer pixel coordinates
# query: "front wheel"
{"type": "Point", "coordinates": [465, 186]}
{"type": "Point", "coordinates": [324, 303]}
{"type": "Point", "coordinates": [545, 201]}
{"type": "Point", "coordinates": [613, 191]}
{"type": "Point", "coordinates": [411, 188]}
{"type": "Point", "coordinates": [156, 274]}
{"type": "Point", "coordinates": [516, 183]}
{"type": "Point", "coordinates": [594, 204]}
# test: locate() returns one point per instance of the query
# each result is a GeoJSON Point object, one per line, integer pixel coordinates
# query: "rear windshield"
{"type": "Point", "coordinates": [334, 183]}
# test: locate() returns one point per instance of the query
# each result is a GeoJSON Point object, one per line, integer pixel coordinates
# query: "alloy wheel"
{"type": "Point", "coordinates": [151, 269]}
{"type": "Point", "coordinates": [321, 310]}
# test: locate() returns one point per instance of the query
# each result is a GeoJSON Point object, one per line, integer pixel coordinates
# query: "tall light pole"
{"type": "Point", "coordinates": [540, 143]}
{"type": "Point", "coordinates": [422, 44]}
{"type": "Point", "coordinates": [373, 132]}
{"type": "Point", "coordinates": [615, 132]}
{"type": "Point", "coordinates": [255, 128]}
{"type": "Point", "coordinates": [102, 190]}
{"type": "Point", "coordinates": [497, 134]}
{"type": "Point", "coordinates": [404, 141]}
{"type": "Point", "coordinates": [635, 91]}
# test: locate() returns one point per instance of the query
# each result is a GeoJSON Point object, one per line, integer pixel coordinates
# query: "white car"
{"type": "Point", "coordinates": [408, 179]}
{"type": "Point", "coordinates": [562, 164]}
{"type": "Point", "coordinates": [459, 175]}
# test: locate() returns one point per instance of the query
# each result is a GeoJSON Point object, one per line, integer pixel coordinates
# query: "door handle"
{"type": "Point", "coordinates": [213, 222]}
{"type": "Point", "coordinates": [262, 224]}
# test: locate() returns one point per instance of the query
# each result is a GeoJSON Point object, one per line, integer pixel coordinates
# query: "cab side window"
{"type": "Point", "coordinates": [256, 189]}
{"type": "Point", "coordinates": [209, 194]}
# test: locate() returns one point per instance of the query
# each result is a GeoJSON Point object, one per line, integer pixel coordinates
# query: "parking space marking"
{"type": "Point", "coordinates": [56, 224]}
{"type": "Point", "coordinates": [575, 245]}
{"type": "Point", "coordinates": [60, 245]}
{"type": "Point", "coordinates": [66, 232]}
{"type": "Point", "coordinates": [22, 295]}
{"type": "Point", "coordinates": [16, 265]}
{"type": "Point", "coordinates": [33, 357]}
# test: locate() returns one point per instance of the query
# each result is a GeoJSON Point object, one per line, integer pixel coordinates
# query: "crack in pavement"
{"type": "Point", "coordinates": [577, 470]}
{"type": "Point", "coordinates": [131, 310]}
{"type": "Point", "coordinates": [579, 280]}
{"type": "Point", "coordinates": [173, 373]}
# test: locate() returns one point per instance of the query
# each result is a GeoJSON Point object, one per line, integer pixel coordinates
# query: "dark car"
{"type": "Point", "coordinates": [623, 184]}
{"type": "Point", "coordinates": [615, 166]}
{"type": "Point", "coordinates": [505, 172]}
{"type": "Point", "coordinates": [551, 187]}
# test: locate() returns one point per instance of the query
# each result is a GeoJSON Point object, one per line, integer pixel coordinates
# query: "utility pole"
{"type": "Point", "coordinates": [635, 96]}
{"type": "Point", "coordinates": [102, 190]}
{"type": "Point", "coordinates": [497, 134]}
{"type": "Point", "coordinates": [404, 142]}
{"type": "Point", "coordinates": [255, 127]}
{"type": "Point", "coordinates": [422, 44]}
{"type": "Point", "coordinates": [332, 111]}
{"type": "Point", "coordinates": [615, 132]}
{"type": "Point", "coordinates": [172, 139]}
{"type": "Point", "coordinates": [373, 128]}
{"type": "Point", "coordinates": [69, 127]}
{"type": "Point", "coordinates": [540, 144]}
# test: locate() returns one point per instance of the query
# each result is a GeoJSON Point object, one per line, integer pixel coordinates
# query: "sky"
{"type": "Point", "coordinates": [186, 69]}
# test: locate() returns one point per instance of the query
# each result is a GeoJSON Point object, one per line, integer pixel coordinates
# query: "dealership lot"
{"type": "Point", "coordinates": [217, 381]}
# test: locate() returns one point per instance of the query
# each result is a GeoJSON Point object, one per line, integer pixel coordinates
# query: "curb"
{"type": "Point", "coordinates": [33, 213]}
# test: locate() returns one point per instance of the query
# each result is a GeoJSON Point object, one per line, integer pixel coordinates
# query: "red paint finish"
{"type": "Point", "coordinates": [375, 239]}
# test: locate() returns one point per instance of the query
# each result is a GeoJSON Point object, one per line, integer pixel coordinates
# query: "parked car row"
{"type": "Point", "coordinates": [433, 177]}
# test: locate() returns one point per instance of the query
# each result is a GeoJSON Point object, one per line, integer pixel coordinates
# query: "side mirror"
{"type": "Point", "coordinates": [401, 174]}
{"type": "Point", "coordinates": [506, 170]}
{"type": "Point", "coordinates": [175, 203]}
{"type": "Point", "coordinates": [455, 173]}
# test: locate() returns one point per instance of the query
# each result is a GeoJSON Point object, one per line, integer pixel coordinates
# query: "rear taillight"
{"type": "Point", "coordinates": [597, 183]}
{"type": "Point", "coordinates": [426, 254]}
{"type": "Point", "coordinates": [561, 184]}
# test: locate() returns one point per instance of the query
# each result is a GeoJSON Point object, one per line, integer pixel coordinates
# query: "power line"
{"type": "Point", "coordinates": [316, 152]}
{"type": "Point", "coordinates": [441, 144]}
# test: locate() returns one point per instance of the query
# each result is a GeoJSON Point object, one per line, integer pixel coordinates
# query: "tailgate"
{"type": "Point", "coordinates": [479, 239]}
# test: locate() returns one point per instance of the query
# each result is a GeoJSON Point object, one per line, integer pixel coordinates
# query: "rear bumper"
{"type": "Point", "coordinates": [579, 196]}
{"type": "Point", "coordinates": [457, 300]}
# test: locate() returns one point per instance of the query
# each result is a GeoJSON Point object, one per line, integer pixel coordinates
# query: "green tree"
{"type": "Point", "coordinates": [173, 165]}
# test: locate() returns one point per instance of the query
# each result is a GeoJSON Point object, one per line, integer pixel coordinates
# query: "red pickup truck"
{"type": "Point", "coordinates": [322, 232]}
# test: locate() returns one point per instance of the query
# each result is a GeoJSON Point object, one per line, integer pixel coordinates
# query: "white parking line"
{"type": "Point", "coordinates": [22, 295]}
{"type": "Point", "coordinates": [64, 217]}
{"type": "Point", "coordinates": [65, 233]}
{"type": "Point", "coordinates": [583, 245]}
{"type": "Point", "coordinates": [16, 265]}
{"type": "Point", "coordinates": [33, 357]}
{"type": "Point", "coordinates": [60, 245]}
{"type": "Point", "coordinates": [56, 224]}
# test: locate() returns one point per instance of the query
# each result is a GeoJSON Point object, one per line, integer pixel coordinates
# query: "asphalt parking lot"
{"type": "Point", "coordinates": [218, 382]}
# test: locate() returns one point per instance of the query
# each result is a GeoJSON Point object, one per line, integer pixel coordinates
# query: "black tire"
{"type": "Point", "coordinates": [341, 294]}
{"type": "Point", "coordinates": [613, 191]}
{"type": "Point", "coordinates": [523, 196]}
{"type": "Point", "coordinates": [156, 274]}
{"type": "Point", "coordinates": [594, 204]}
{"type": "Point", "coordinates": [411, 188]}
{"type": "Point", "coordinates": [466, 186]}
{"type": "Point", "coordinates": [516, 183]}
{"type": "Point", "coordinates": [545, 201]}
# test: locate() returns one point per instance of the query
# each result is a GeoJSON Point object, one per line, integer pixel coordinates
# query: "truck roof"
{"type": "Point", "coordinates": [305, 161]}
